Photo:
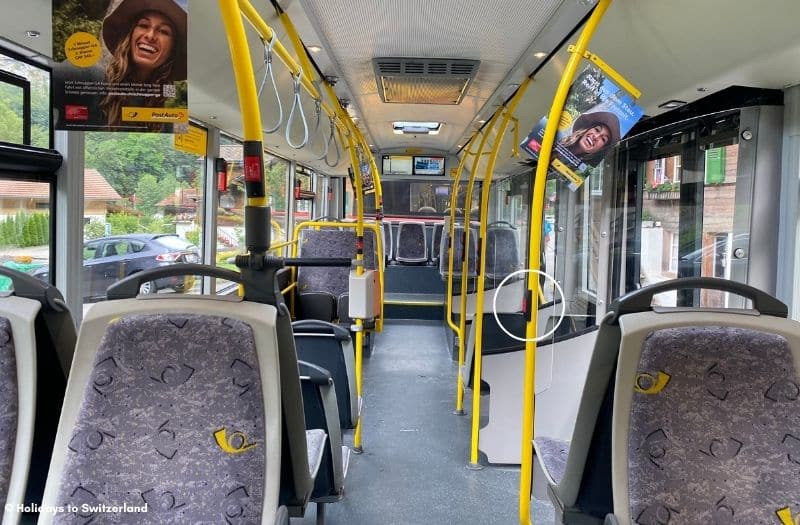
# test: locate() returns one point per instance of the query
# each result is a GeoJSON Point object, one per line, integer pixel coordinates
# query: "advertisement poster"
{"type": "Point", "coordinates": [597, 114]}
{"type": "Point", "coordinates": [120, 65]}
{"type": "Point", "coordinates": [367, 184]}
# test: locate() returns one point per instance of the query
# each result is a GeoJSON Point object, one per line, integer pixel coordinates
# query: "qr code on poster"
{"type": "Point", "coordinates": [169, 91]}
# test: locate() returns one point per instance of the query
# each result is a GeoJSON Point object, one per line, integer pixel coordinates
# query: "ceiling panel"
{"type": "Point", "coordinates": [496, 32]}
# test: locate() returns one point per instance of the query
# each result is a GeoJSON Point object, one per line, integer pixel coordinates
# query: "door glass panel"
{"type": "Point", "coordinates": [686, 228]}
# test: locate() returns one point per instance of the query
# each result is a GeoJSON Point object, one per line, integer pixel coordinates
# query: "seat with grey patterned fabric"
{"type": "Point", "coordinates": [458, 252]}
{"type": "Point", "coordinates": [319, 287]}
{"type": "Point", "coordinates": [411, 245]}
{"type": "Point", "coordinates": [684, 418]}
{"type": "Point", "coordinates": [502, 251]}
{"type": "Point", "coordinates": [51, 350]}
{"type": "Point", "coordinates": [17, 400]}
{"type": "Point", "coordinates": [175, 405]}
{"type": "Point", "coordinates": [331, 280]}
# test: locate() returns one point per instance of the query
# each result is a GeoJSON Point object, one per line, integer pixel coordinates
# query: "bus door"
{"type": "Point", "coordinates": [695, 199]}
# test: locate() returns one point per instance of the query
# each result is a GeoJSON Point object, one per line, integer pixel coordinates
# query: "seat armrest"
{"type": "Point", "coordinates": [315, 374]}
{"type": "Point", "coordinates": [315, 326]}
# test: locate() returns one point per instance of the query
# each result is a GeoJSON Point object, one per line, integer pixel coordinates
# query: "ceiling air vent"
{"type": "Point", "coordinates": [422, 80]}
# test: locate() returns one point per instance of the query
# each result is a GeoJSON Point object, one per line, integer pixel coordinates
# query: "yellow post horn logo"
{"type": "Point", "coordinates": [647, 384]}
{"type": "Point", "coordinates": [785, 515]}
{"type": "Point", "coordinates": [227, 443]}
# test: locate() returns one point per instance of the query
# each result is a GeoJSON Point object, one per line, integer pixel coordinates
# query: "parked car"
{"type": "Point", "coordinates": [718, 251]}
{"type": "Point", "coordinates": [109, 259]}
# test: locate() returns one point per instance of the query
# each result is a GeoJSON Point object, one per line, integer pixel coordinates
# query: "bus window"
{"type": "Point", "coordinates": [276, 177]}
{"type": "Point", "coordinates": [140, 190]}
{"type": "Point", "coordinates": [303, 199]}
{"type": "Point", "coordinates": [25, 228]}
{"type": "Point", "coordinates": [11, 103]}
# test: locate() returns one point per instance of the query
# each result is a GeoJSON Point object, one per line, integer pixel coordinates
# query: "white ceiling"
{"type": "Point", "coordinates": [667, 49]}
{"type": "Point", "coordinates": [497, 32]}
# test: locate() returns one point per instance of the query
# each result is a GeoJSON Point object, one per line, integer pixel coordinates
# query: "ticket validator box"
{"type": "Point", "coordinates": [365, 295]}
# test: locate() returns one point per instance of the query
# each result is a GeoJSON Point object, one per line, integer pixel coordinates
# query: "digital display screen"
{"type": "Point", "coordinates": [442, 191]}
{"type": "Point", "coordinates": [397, 164]}
{"type": "Point", "coordinates": [428, 165]}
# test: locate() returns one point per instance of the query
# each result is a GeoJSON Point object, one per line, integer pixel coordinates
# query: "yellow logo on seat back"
{"type": "Point", "coordinates": [785, 515]}
{"type": "Point", "coordinates": [227, 443]}
{"type": "Point", "coordinates": [648, 384]}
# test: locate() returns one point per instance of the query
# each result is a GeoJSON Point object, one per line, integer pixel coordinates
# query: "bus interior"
{"type": "Point", "coordinates": [406, 262]}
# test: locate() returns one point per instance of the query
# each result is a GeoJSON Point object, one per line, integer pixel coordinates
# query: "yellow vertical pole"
{"type": "Point", "coordinates": [359, 197]}
{"type": "Point", "coordinates": [245, 86]}
{"type": "Point", "coordinates": [459, 411]}
{"type": "Point", "coordinates": [476, 388]}
{"type": "Point", "coordinates": [478, 320]}
{"type": "Point", "coordinates": [534, 245]}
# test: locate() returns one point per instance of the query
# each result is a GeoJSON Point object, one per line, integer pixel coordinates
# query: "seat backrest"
{"type": "Point", "coordinates": [321, 344]}
{"type": "Point", "coordinates": [436, 241]}
{"type": "Point", "coordinates": [388, 245]}
{"type": "Point", "coordinates": [710, 411]}
{"type": "Point", "coordinates": [190, 394]}
{"type": "Point", "coordinates": [502, 252]}
{"type": "Point", "coordinates": [411, 246]}
{"type": "Point", "coordinates": [687, 414]}
{"type": "Point", "coordinates": [458, 251]}
{"type": "Point", "coordinates": [315, 305]}
{"type": "Point", "coordinates": [325, 243]}
{"type": "Point", "coordinates": [17, 399]}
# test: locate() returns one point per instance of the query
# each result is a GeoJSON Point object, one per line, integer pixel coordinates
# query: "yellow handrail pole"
{"type": "Point", "coordinates": [462, 321]}
{"type": "Point", "coordinates": [280, 245]}
{"type": "Point", "coordinates": [376, 178]}
{"type": "Point", "coordinates": [459, 411]}
{"type": "Point", "coordinates": [478, 319]}
{"type": "Point", "coordinates": [245, 79]}
{"type": "Point", "coordinates": [534, 245]}
{"type": "Point", "coordinates": [359, 198]}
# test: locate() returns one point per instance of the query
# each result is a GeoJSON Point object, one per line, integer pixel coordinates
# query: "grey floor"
{"type": "Point", "coordinates": [413, 470]}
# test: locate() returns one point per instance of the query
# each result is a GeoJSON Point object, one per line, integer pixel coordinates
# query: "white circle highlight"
{"type": "Point", "coordinates": [560, 318]}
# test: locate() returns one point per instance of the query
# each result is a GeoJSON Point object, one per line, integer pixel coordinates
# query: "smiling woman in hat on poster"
{"type": "Point", "coordinates": [593, 134]}
{"type": "Point", "coordinates": [147, 42]}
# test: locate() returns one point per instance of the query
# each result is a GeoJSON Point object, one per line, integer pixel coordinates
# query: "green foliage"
{"type": "Point", "coordinates": [667, 186]}
{"type": "Point", "coordinates": [193, 236]}
{"type": "Point", "coordinates": [180, 100]}
{"type": "Point", "coordinates": [156, 225]}
{"type": "Point", "coordinates": [582, 96]}
{"type": "Point", "coordinates": [149, 192]}
{"type": "Point", "coordinates": [94, 229]}
{"type": "Point", "coordinates": [123, 158]}
{"type": "Point", "coordinates": [122, 223]}
{"type": "Point", "coordinates": [11, 104]}
{"type": "Point", "coordinates": [276, 178]}
{"type": "Point", "coordinates": [23, 230]}
{"type": "Point", "coordinates": [70, 16]}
